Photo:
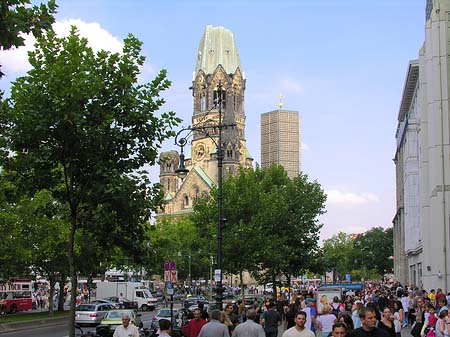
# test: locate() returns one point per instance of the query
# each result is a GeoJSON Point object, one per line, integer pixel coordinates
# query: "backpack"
{"type": "Point", "coordinates": [335, 311]}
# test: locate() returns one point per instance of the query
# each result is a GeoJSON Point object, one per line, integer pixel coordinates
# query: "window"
{"type": "Point", "coordinates": [230, 153]}
{"type": "Point", "coordinates": [186, 201]}
{"type": "Point", "coordinates": [223, 98]}
{"type": "Point", "coordinates": [203, 102]}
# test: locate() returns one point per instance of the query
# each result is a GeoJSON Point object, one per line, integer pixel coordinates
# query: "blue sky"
{"type": "Point", "coordinates": [340, 63]}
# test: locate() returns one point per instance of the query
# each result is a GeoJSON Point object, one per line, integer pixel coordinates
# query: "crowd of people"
{"type": "Point", "coordinates": [378, 310]}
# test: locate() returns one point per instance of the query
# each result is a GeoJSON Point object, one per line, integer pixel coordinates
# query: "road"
{"type": "Point", "coordinates": [63, 331]}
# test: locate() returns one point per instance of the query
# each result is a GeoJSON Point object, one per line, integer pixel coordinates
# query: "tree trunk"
{"type": "Point", "coordinates": [274, 286]}
{"type": "Point", "coordinates": [52, 281]}
{"type": "Point", "coordinates": [73, 274]}
{"type": "Point", "coordinates": [289, 288]}
{"type": "Point", "coordinates": [241, 279]}
{"type": "Point", "coordinates": [61, 297]}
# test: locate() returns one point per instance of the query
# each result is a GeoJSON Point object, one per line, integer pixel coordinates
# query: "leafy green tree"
{"type": "Point", "coordinates": [271, 223]}
{"type": "Point", "coordinates": [17, 18]}
{"type": "Point", "coordinates": [339, 253]}
{"type": "Point", "coordinates": [375, 247]}
{"type": "Point", "coordinates": [80, 120]}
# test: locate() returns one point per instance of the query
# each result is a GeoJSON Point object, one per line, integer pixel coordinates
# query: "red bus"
{"type": "Point", "coordinates": [15, 295]}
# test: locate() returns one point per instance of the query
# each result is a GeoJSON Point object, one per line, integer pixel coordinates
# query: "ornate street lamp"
{"type": "Point", "coordinates": [182, 171]}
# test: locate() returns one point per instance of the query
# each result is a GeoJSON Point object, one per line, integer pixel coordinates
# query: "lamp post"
{"type": "Point", "coordinates": [182, 171]}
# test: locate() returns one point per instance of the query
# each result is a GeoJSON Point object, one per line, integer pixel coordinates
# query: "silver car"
{"type": "Point", "coordinates": [91, 313]}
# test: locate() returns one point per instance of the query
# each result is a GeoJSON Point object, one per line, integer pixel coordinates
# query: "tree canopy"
{"type": "Point", "coordinates": [81, 126]}
{"type": "Point", "coordinates": [270, 220]}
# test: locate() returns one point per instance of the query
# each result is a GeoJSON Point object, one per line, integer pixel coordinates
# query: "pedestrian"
{"type": "Point", "coordinates": [399, 317]}
{"type": "Point", "coordinates": [126, 330]}
{"type": "Point", "coordinates": [368, 328]}
{"type": "Point", "coordinates": [386, 322]}
{"type": "Point", "coordinates": [339, 330]}
{"type": "Point", "coordinates": [419, 316]}
{"type": "Point", "coordinates": [326, 320]}
{"type": "Point", "coordinates": [311, 314]}
{"type": "Point", "coordinates": [193, 327]}
{"type": "Point", "coordinates": [299, 329]}
{"type": "Point", "coordinates": [270, 320]}
{"type": "Point", "coordinates": [165, 327]}
{"type": "Point", "coordinates": [249, 328]}
{"type": "Point", "coordinates": [214, 328]}
{"type": "Point", "coordinates": [440, 330]}
{"type": "Point", "coordinates": [121, 300]}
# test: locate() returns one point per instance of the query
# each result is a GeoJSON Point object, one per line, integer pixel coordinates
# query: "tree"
{"type": "Point", "coordinates": [17, 18]}
{"type": "Point", "coordinates": [338, 252]}
{"type": "Point", "coordinates": [375, 247]}
{"type": "Point", "coordinates": [271, 220]}
{"type": "Point", "coordinates": [80, 120]}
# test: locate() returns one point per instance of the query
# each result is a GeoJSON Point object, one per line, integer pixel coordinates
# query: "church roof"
{"type": "Point", "coordinates": [204, 176]}
{"type": "Point", "coordinates": [216, 47]}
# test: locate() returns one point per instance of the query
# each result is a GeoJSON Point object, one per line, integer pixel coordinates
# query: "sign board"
{"type": "Point", "coordinates": [217, 275]}
{"type": "Point", "coordinates": [169, 288]}
{"type": "Point", "coordinates": [347, 277]}
{"type": "Point", "coordinates": [167, 276]}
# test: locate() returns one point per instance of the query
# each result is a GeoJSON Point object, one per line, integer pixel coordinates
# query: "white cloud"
{"type": "Point", "coordinates": [98, 37]}
{"type": "Point", "coordinates": [339, 197]}
{"type": "Point", "coordinates": [15, 61]}
{"type": "Point", "coordinates": [291, 85]}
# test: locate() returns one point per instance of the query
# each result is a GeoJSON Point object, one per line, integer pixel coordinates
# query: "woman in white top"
{"type": "Point", "coordinates": [443, 324]}
{"type": "Point", "coordinates": [399, 316]}
{"type": "Point", "coordinates": [326, 320]}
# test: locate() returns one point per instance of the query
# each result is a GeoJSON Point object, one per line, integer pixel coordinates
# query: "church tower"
{"type": "Point", "coordinates": [217, 64]}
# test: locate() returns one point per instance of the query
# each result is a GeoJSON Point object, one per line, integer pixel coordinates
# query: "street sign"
{"type": "Point", "coordinates": [172, 265]}
{"type": "Point", "coordinates": [217, 274]}
{"type": "Point", "coordinates": [169, 288]}
{"type": "Point", "coordinates": [173, 276]}
{"type": "Point", "coordinates": [166, 265]}
{"type": "Point", "coordinates": [167, 276]}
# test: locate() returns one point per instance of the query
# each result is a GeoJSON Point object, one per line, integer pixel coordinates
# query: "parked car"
{"type": "Point", "coordinates": [127, 304]}
{"type": "Point", "coordinates": [194, 300]}
{"type": "Point", "coordinates": [99, 301]}
{"type": "Point", "coordinates": [181, 317]}
{"type": "Point", "coordinates": [114, 318]}
{"type": "Point", "coordinates": [91, 313]}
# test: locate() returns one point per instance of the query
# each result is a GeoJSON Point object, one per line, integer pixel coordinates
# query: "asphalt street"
{"type": "Point", "coordinates": [63, 331]}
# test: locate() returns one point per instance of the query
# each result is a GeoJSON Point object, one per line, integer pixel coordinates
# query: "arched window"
{"type": "Point", "coordinates": [203, 101]}
{"type": "Point", "coordinates": [186, 201]}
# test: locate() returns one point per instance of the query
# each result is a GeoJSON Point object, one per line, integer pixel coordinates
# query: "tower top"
{"type": "Point", "coordinates": [216, 47]}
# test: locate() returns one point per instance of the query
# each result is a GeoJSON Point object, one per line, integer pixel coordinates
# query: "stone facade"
{"type": "Point", "coordinates": [217, 62]}
{"type": "Point", "coordinates": [421, 224]}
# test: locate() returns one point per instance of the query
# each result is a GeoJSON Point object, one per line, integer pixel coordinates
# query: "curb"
{"type": "Point", "coordinates": [10, 327]}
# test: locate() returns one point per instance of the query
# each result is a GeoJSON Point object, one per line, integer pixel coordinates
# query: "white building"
{"type": "Point", "coordinates": [421, 224]}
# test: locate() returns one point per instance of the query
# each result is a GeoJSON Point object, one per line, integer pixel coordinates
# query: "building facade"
{"type": "Point", "coordinates": [217, 63]}
{"type": "Point", "coordinates": [421, 224]}
{"type": "Point", "coordinates": [280, 140]}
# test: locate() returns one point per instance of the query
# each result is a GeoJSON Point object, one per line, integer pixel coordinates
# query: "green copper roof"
{"type": "Point", "coordinates": [217, 47]}
{"type": "Point", "coordinates": [204, 176]}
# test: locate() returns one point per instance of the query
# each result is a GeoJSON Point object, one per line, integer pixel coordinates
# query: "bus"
{"type": "Point", "coordinates": [15, 295]}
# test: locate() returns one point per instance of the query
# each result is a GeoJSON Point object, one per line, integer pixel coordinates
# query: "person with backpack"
{"type": "Point", "coordinates": [336, 307]}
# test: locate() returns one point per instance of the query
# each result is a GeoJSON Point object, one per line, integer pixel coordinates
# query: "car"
{"type": "Point", "coordinates": [194, 300]}
{"type": "Point", "coordinates": [127, 304]}
{"type": "Point", "coordinates": [100, 301]}
{"type": "Point", "coordinates": [91, 313]}
{"type": "Point", "coordinates": [160, 295]}
{"type": "Point", "coordinates": [181, 317]}
{"type": "Point", "coordinates": [114, 318]}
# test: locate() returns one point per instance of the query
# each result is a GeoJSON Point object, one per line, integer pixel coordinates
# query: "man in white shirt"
{"type": "Point", "coordinates": [126, 330]}
{"type": "Point", "coordinates": [299, 329]}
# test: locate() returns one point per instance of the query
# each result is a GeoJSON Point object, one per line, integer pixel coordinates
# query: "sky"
{"type": "Point", "coordinates": [341, 63]}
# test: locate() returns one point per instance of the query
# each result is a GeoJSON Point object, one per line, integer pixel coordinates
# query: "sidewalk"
{"type": "Point", "coordinates": [25, 325]}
